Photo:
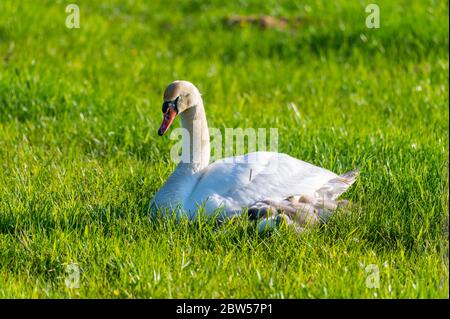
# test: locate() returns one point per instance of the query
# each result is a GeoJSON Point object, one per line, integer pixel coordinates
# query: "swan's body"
{"type": "Point", "coordinates": [260, 181]}
{"type": "Point", "coordinates": [239, 183]}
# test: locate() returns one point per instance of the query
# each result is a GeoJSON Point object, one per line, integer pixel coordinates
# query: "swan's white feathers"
{"type": "Point", "coordinates": [234, 185]}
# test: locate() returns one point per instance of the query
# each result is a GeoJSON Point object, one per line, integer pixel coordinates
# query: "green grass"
{"type": "Point", "coordinates": [80, 158]}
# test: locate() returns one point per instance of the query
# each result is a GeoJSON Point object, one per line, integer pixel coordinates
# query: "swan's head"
{"type": "Point", "coordinates": [178, 97]}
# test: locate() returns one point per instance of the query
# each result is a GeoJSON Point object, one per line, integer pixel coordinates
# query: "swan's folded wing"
{"type": "Point", "coordinates": [241, 181]}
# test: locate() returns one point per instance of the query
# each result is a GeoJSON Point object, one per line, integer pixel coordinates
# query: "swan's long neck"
{"type": "Point", "coordinates": [196, 148]}
{"type": "Point", "coordinates": [194, 157]}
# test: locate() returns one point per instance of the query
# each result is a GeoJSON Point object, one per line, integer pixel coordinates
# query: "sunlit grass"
{"type": "Point", "coordinates": [80, 158]}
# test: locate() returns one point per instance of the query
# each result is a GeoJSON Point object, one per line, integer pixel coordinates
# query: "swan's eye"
{"type": "Point", "coordinates": [172, 104]}
{"type": "Point", "coordinates": [166, 105]}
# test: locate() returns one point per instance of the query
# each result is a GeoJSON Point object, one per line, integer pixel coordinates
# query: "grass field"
{"type": "Point", "coordinates": [80, 158]}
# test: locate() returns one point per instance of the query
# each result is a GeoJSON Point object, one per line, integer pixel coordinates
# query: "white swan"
{"type": "Point", "coordinates": [260, 182]}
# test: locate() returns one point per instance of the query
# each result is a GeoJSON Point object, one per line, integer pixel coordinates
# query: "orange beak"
{"type": "Point", "coordinates": [168, 118]}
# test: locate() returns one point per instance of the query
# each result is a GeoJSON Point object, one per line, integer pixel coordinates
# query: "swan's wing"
{"type": "Point", "coordinates": [241, 181]}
